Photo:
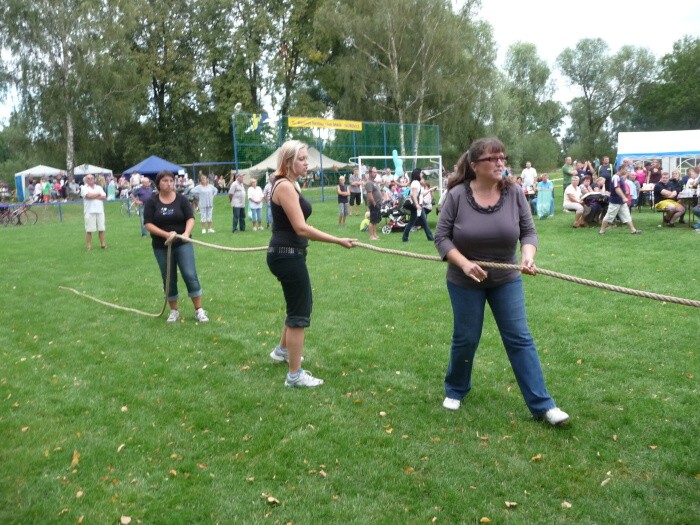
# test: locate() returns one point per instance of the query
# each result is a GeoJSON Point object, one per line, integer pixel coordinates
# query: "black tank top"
{"type": "Point", "coordinates": [283, 233]}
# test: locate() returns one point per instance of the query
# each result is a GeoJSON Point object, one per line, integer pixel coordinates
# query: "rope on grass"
{"type": "Point", "coordinates": [485, 264]}
{"type": "Point", "coordinates": [167, 277]}
{"type": "Point", "coordinates": [548, 273]}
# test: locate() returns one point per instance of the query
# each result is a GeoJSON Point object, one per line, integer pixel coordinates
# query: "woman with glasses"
{"type": "Point", "coordinates": [483, 218]}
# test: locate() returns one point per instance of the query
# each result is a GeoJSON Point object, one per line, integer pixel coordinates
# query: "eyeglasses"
{"type": "Point", "coordinates": [494, 159]}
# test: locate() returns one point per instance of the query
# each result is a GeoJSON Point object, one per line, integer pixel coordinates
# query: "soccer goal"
{"type": "Point", "coordinates": [435, 161]}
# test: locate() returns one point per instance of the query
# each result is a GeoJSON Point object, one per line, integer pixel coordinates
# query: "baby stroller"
{"type": "Point", "coordinates": [396, 215]}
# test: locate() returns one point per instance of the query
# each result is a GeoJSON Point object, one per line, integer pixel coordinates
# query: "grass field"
{"type": "Point", "coordinates": [106, 414]}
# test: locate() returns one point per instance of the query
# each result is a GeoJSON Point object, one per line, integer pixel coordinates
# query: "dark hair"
{"type": "Point", "coordinates": [161, 175]}
{"type": "Point", "coordinates": [465, 172]}
{"type": "Point", "coordinates": [415, 174]}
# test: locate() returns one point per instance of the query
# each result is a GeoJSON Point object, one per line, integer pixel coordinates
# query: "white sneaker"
{"type": "Point", "coordinates": [280, 355]}
{"type": "Point", "coordinates": [556, 417]}
{"type": "Point", "coordinates": [451, 404]}
{"type": "Point", "coordinates": [204, 230]}
{"type": "Point", "coordinates": [211, 230]}
{"type": "Point", "coordinates": [201, 316]}
{"type": "Point", "coordinates": [174, 316]}
{"type": "Point", "coordinates": [303, 379]}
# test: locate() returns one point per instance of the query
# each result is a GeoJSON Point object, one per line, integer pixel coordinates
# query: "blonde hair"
{"type": "Point", "coordinates": [289, 151]}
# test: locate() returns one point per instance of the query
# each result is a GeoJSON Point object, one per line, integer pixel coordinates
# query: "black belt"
{"type": "Point", "coordinates": [286, 250]}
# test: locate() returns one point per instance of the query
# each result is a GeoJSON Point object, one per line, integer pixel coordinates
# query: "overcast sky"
{"type": "Point", "coordinates": [553, 25]}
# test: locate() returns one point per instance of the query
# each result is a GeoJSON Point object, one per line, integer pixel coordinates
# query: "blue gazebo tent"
{"type": "Point", "coordinates": [152, 165]}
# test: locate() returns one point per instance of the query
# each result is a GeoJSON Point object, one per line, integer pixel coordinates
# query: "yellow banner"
{"type": "Point", "coordinates": [304, 122]}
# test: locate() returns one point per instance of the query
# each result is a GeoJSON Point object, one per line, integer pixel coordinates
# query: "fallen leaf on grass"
{"type": "Point", "coordinates": [322, 473]}
{"type": "Point", "coordinates": [120, 448]}
{"type": "Point", "coordinates": [653, 447]}
{"type": "Point", "coordinates": [565, 505]}
{"type": "Point", "coordinates": [271, 500]}
{"type": "Point", "coordinates": [408, 470]}
{"type": "Point", "coordinates": [244, 368]}
{"type": "Point", "coordinates": [536, 457]}
{"type": "Point", "coordinates": [202, 466]}
{"type": "Point", "coordinates": [173, 472]}
{"type": "Point", "coordinates": [484, 520]}
{"type": "Point", "coordinates": [605, 482]}
{"type": "Point", "coordinates": [125, 408]}
{"type": "Point", "coordinates": [125, 520]}
{"type": "Point", "coordinates": [511, 504]}
{"type": "Point", "coordinates": [76, 459]}
{"type": "Point", "coordinates": [25, 429]}
{"type": "Point", "coordinates": [79, 494]}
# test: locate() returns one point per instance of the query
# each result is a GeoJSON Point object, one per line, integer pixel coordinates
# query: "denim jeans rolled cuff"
{"type": "Point", "coordinates": [507, 302]}
{"type": "Point", "coordinates": [293, 321]}
{"type": "Point", "coordinates": [182, 257]}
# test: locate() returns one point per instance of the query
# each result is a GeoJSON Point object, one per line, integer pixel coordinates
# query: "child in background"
{"type": "Point", "coordinates": [364, 225]}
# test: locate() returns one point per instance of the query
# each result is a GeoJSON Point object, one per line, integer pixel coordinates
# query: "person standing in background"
{"type": "Point", "coordinates": [141, 195]}
{"type": "Point", "coordinates": [94, 211]}
{"type": "Point", "coordinates": [237, 197]}
{"type": "Point", "coordinates": [255, 200]}
{"type": "Point", "coordinates": [205, 193]}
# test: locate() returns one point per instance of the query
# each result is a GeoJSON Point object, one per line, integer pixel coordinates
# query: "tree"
{"type": "Point", "coordinates": [607, 82]}
{"type": "Point", "coordinates": [531, 86]}
{"type": "Point", "coordinates": [407, 61]}
{"type": "Point", "coordinates": [672, 102]}
{"type": "Point", "coordinates": [67, 65]}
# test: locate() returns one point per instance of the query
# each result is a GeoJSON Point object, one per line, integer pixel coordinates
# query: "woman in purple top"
{"type": "Point", "coordinates": [482, 219]}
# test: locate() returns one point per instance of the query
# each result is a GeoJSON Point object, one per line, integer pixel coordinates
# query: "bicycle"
{"type": "Point", "coordinates": [129, 208]}
{"type": "Point", "coordinates": [25, 215]}
{"type": "Point", "coordinates": [7, 217]}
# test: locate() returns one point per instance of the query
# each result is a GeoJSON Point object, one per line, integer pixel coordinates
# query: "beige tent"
{"type": "Point", "coordinates": [316, 161]}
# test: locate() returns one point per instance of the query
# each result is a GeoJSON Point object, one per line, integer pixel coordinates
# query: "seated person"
{"type": "Point", "coordinates": [666, 200]}
{"type": "Point", "coordinates": [573, 202]}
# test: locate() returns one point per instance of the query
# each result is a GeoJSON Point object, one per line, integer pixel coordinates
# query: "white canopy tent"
{"type": "Point", "coordinates": [89, 169]}
{"type": "Point", "coordinates": [317, 161]}
{"type": "Point", "coordinates": [36, 172]}
{"type": "Point", "coordinates": [676, 149]}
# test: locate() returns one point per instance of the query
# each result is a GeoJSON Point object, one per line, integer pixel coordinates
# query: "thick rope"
{"type": "Point", "coordinates": [549, 273]}
{"type": "Point", "coordinates": [484, 264]}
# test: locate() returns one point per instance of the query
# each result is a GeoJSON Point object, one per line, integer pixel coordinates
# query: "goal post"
{"type": "Point", "coordinates": [433, 159]}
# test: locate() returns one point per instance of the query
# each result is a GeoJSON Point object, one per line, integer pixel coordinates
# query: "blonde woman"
{"type": "Point", "coordinates": [286, 258]}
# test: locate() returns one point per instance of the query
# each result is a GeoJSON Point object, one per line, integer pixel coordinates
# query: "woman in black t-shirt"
{"type": "Point", "coordinates": [286, 258]}
{"type": "Point", "coordinates": [168, 213]}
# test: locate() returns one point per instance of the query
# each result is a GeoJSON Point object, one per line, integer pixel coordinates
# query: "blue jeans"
{"type": "Point", "coordinates": [421, 221]}
{"type": "Point", "coordinates": [507, 303]}
{"type": "Point", "coordinates": [268, 214]}
{"type": "Point", "coordinates": [256, 214]}
{"type": "Point", "coordinates": [144, 231]}
{"type": "Point", "coordinates": [181, 257]}
{"type": "Point", "coordinates": [239, 219]}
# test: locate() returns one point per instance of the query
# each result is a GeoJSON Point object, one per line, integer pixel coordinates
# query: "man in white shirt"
{"type": "Point", "coordinates": [529, 175]}
{"type": "Point", "coordinates": [94, 210]}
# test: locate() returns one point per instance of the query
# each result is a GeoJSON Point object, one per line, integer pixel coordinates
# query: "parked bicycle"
{"type": "Point", "coordinates": [18, 216]}
{"type": "Point", "coordinates": [129, 208]}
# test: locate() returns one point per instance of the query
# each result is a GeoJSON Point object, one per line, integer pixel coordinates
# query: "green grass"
{"type": "Point", "coordinates": [191, 423]}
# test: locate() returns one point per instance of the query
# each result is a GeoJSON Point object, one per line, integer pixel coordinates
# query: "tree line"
{"type": "Point", "coordinates": [112, 82]}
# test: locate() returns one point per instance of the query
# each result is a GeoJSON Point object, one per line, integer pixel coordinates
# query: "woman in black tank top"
{"type": "Point", "coordinates": [286, 258]}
